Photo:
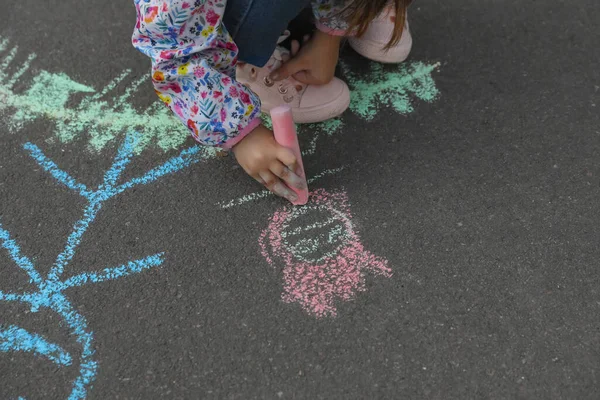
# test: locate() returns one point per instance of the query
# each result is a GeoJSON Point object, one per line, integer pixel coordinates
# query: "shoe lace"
{"type": "Point", "coordinates": [281, 55]}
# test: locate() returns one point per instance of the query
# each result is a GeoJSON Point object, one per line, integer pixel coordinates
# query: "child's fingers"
{"type": "Point", "coordinates": [307, 78]}
{"type": "Point", "coordinates": [287, 157]}
{"type": "Point", "coordinates": [288, 68]}
{"type": "Point", "coordinates": [275, 185]}
{"type": "Point", "coordinates": [287, 175]}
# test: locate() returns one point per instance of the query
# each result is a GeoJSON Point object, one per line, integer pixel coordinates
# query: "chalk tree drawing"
{"type": "Point", "coordinates": [323, 261]}
{"type": "Point", "coordinates": [50, 289]}
{"type": "Point", "coordinates": [99, 117]}
{"type": "Point", "coordinates": [390, 86]}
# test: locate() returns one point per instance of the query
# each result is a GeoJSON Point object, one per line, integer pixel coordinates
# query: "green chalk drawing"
{"type": "Point", "coordinates": [100, 117]}
{"type": "Point", "coordinates": [266, 120]}
{"type": "Point", "coordinates": [314, 131]}
{"type": "Point", "coordinates": [391, 86]}
{"type": "Point", "coordinates": [47, 96]}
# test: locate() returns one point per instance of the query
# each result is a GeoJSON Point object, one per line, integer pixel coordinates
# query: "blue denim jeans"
{"type": "Point", "coordinates": [255, 25]}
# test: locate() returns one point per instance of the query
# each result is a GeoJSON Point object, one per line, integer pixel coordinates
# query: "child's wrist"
{"type": "Point", "coordinates": [255, 131]}
{"type": "Point", "coordinates": [242, 134]}
{"type": "Point", "coordinates": [325, 37]}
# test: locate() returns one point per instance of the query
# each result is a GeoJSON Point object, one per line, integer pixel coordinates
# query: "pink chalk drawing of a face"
{"type": "Point", "coordinates": [323, 261]}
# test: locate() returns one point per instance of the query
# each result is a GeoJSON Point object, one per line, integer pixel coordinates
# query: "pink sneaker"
{"type": "Point", "coordinates": [372, 44]}
{"type": "Point", "coordinates": [309, 103]}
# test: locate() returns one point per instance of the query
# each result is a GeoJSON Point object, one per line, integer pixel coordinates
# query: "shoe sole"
{"type": "Point", "coordinates": [372, 50]}
{"type": "Point", "coordinates": [318, 113]}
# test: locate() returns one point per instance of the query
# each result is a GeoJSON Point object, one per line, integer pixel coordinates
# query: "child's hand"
{"type": "Point", "coordinates": [269, 163]}
{"type": "Point", "coordinates": [315, 63]}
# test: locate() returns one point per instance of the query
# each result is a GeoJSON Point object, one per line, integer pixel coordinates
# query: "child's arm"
{"type": "Point", "coordinates": [193, 68]}
{"type": "Point", "coordinates": [315, 63]}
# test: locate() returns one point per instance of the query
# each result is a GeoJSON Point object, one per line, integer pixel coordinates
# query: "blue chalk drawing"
{"type": "Point", "coordinates": [14, 338]}
{"type": "Point", "coordinates": [50, 289]}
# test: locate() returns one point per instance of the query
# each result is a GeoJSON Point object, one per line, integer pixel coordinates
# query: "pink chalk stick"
{"type": "Point", "coordinates": [285, 134]}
